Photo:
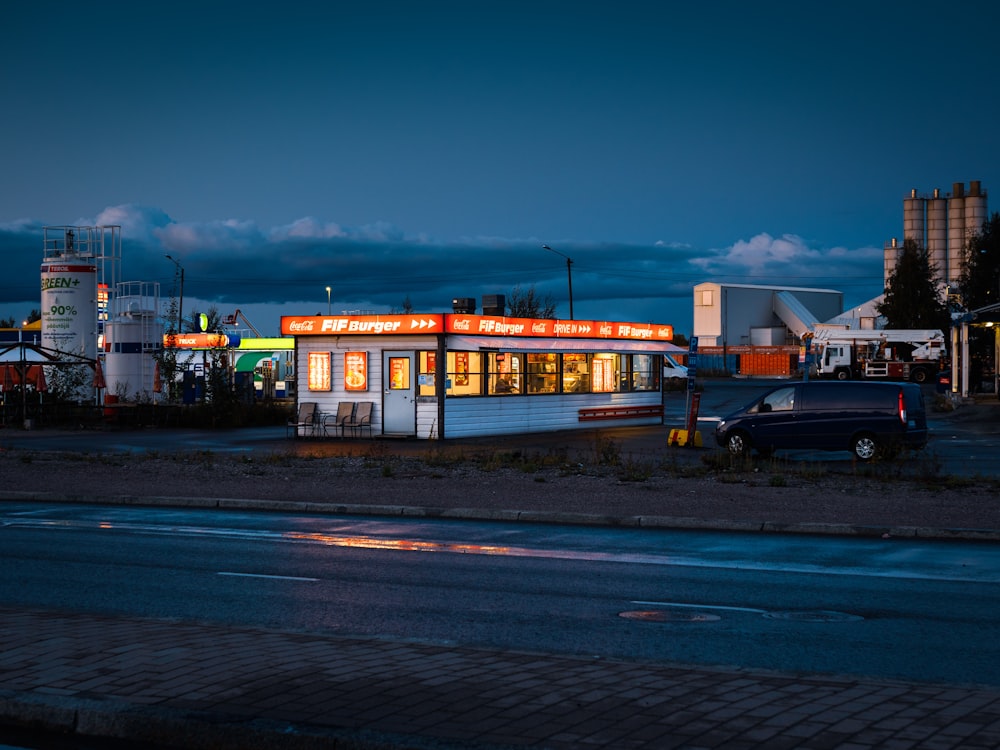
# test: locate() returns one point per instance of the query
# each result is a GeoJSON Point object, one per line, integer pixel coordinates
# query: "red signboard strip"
{"type": "Point", "coordinates": [482, 325]}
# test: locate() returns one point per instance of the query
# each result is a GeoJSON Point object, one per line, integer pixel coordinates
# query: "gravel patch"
{"type": "Point", "coordinates": [754, 496]}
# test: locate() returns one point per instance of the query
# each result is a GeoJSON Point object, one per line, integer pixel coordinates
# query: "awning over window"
{"type": "Point", "coordinates": [557, 345]}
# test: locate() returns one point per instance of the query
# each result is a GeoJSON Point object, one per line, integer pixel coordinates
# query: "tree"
{"type": "Point", "coordinates": [12, 322]}
{"type": "Point", "coordinates": [406, 309]}
{"type": "Point", "coordinates": [912, 298]}
{"type": "Point", "coordinates": [192, 321]}
{"type": "Point", "coordinates": [980, 287]}
{"type": "Point", "coordinates": [980, 282]}
{"type": "Point", "coordinates": [525, 303]}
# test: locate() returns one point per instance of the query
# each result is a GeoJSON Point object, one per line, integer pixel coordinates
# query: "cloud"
{"type": "Point", "coordinates": [375, 268]}
{"type": "Point", "coordinates": [789, 260]}
{"type": "Point", "coordinates": [307, 228]}
{"type": "Point", "coordinates": [226, 235]}
{"type": "Point", "coordinates": [138, 223]}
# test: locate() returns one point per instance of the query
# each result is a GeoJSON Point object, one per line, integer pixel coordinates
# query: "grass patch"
{"type": "Point", "coordinates": [633, 470]}
{"type": "Point", "coordinates": [606, 451]}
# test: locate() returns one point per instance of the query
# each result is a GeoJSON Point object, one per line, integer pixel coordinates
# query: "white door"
{"type": "Point", "coordinates": [399, 395]}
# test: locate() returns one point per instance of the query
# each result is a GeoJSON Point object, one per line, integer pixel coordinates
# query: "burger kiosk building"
{"type": "Point", "coordinates": [440, 376]}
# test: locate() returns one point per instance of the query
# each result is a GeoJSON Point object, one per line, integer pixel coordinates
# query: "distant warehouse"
{"type": "Point", "coordinates": [748, 315]}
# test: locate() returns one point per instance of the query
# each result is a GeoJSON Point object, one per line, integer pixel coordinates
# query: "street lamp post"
{"type": "Point", "coordinates": [569, 275]}
{"type": "Point", "coordinates": [329, 309]}
{"type": "Point", "coordinates": [180, 304]}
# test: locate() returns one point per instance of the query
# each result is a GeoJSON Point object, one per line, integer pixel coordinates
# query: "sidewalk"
{"type": "Point", "coordinates": [166, 683]}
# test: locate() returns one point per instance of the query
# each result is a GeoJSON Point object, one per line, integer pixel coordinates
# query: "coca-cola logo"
{"type": "Point", "coordinates": [461, 325]}
{"type": "Point", "coordinates": [296, 326]}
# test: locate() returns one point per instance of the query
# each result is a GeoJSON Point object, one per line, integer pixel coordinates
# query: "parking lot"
{"type": "Point", "coordinates": [963, 442]}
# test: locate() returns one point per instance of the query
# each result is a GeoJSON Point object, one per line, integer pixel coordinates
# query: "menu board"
{"type": "Point", "coordinates": [355, 371]}
{"type": "Point", "coordinates": [319, 371]}
{"type": "Point", "coordinates": [605, 375]}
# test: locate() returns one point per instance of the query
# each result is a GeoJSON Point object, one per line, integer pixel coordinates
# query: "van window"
{"type": "Point", "coordinates": [839, 396]}
{"type": "Point", "coordinates": [782, 399]}
{"type": "Point", "coordinates": [914, 400]}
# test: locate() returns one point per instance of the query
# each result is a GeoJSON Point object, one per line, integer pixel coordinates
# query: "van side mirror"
{"type": "Point", "coordinates": [765, 407]}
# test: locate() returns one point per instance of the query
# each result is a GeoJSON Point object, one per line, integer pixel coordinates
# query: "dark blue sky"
{"type": "Point", "coordinates": [427, 150]}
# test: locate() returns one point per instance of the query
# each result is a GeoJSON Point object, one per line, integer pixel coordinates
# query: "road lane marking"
{"type": "Point", "coordinates": [701, 606]}
{"type": "Point", "coordinates": [264, 575]}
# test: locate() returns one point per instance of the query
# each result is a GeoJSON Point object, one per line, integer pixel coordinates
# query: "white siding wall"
{"type": "Point", "coordinates": [464, 416]}
{"type": "Point", "coordinates": [328, 401]}
{"type": "Point", "coordinates": [512, 415]}
{"type": "Point", "coordinates": [427, 418]}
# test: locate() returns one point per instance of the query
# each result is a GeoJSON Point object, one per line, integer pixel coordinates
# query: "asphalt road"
{"type": "Point", "coordinates": [911, 610]}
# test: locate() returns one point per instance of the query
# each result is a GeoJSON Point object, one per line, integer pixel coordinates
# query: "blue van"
{"type": "Point", "coordinates": [868, 419]}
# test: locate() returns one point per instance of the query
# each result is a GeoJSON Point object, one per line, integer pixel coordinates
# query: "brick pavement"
{"type": "Point", "coordinates": [209, 686]}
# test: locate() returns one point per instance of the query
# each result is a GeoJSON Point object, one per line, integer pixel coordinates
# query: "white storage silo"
{"type": "Point", "coordinates": [133, 336]}
{"type": "Point", "coordinates": [956, 233]}
{"type": "Point", "coordinates": [890, 257]}
{"type": "Point", "coordinates": [975, 209]}
{"type": "Point", "coordinates": [69, 294]}
{"type": "Point", "coordinates": [914, 209]}
{"type": "Point", "coordinates": [937, 233]}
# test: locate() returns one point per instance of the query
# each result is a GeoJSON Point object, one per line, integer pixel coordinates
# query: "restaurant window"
{"type": "Point", "coordinates": [465, 374]}
{"type": "Point", "coordinates": [426, 371]}
{"type": "Point", "coordinates": [576, 374]}
{"type": "Point", "coordinates": [505, 374]}
{"type": "Point", "coordinates": [645, 372]}
{"type": "Point", "coordinates": [606, 374]}
{"type": "Point", "coordinates": [543, 373]}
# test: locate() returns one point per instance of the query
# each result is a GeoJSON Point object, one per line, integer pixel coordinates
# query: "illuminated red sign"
{"type": "Point", "coordinates": [355, 371]}
{"type": "Point", "coordinates": [487, 325]}
{"type": "Point", "coordinates": [477, 325]}
{"type": "Point", "coordinates": [359, 325]}
{"type": "Point", "coordinates": [200, 340]}
{"type": "Point", "coordinates": [319, 371]}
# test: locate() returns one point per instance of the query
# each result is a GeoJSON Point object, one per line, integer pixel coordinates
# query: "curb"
{"type": "Point", "coordinates": [524, 516]}
{"type": "Point", "coordinates": [159, 727]}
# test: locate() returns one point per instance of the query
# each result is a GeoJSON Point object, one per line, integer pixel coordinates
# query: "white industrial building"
{"type": "Point", "coordinates": [750, 315]}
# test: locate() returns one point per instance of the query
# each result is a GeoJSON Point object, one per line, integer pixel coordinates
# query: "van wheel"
{"type": "Point", "coordinates": [738, 444]}
{"type": "Point", "coordinates": [865, 447]}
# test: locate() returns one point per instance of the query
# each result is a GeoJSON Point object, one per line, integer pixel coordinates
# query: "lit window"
{"type": "Point", "coordinates": [576, 374]}
{"type": "Point", "coordinates": [465, 374]}
{"type": "Point", "coordinates": [505, 375]}
{"type": "Point", "coordinates": [543, 373]}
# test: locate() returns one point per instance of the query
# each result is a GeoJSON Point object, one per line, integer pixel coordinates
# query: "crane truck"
{"type": "Point", "coordinates": [887, 354]}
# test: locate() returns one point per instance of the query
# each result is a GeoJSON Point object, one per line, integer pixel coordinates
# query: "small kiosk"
{"type": "Point", "coordinates": [440, 376]}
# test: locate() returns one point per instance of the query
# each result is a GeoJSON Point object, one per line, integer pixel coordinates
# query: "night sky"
{"type": "Point", "coordinates": [423, 151]}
